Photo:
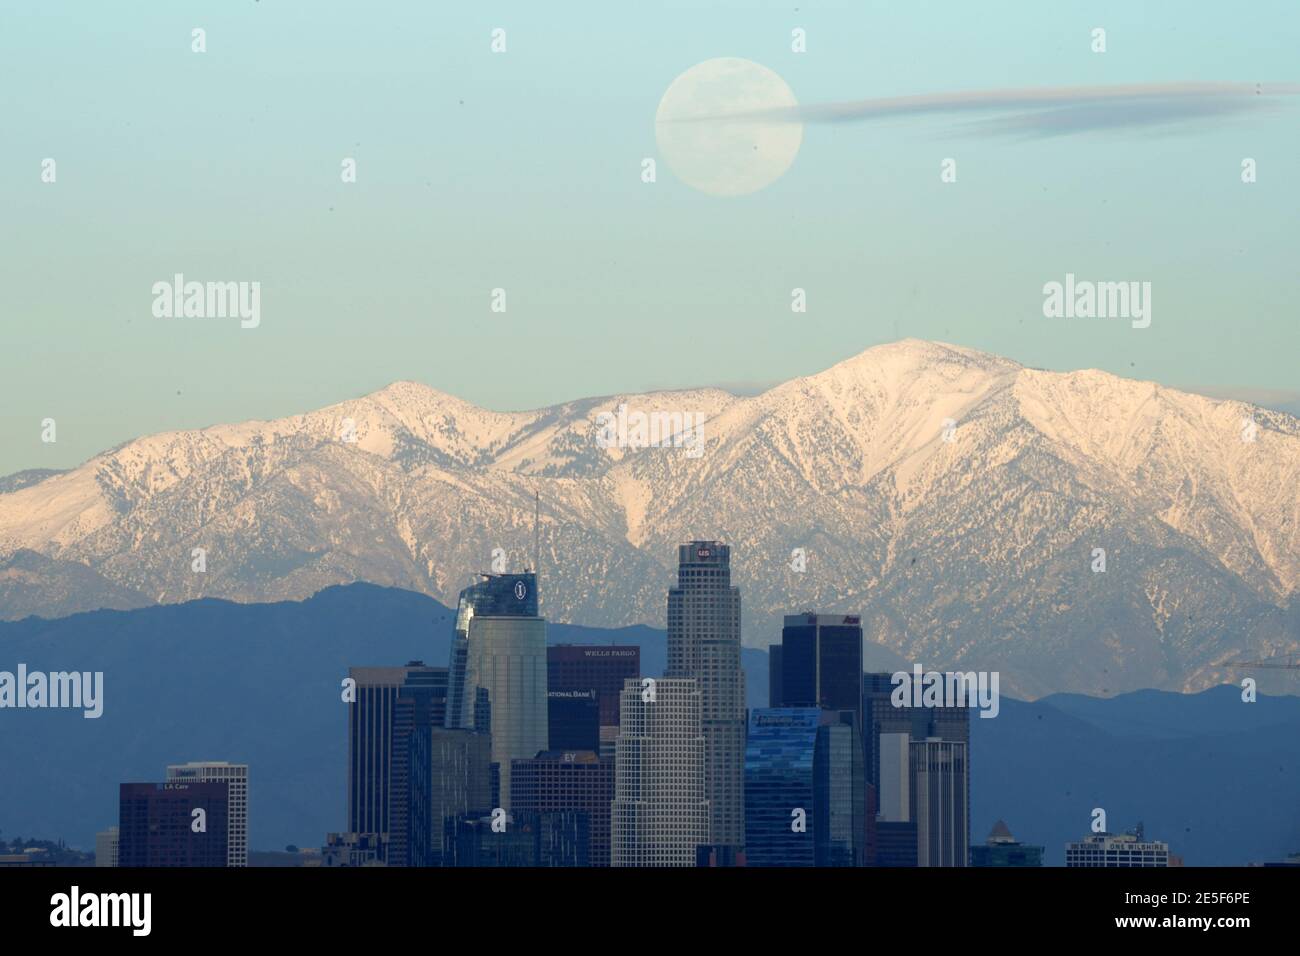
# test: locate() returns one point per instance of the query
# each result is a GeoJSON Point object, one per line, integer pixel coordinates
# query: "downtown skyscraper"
{"type": "Point", "coordinates": [805, 796]}
{"type": "Point", "coordinates": [372, 726]}
{"type": "Point", "coordinates": [818, 664]}
{"type": "Point", "coordinates": [660, 816]}
{"type": "Point", "coordinates": [704, 646]}
{"type": "Point", "coordinates": [500, 647]}
{"type": "Point", "coordinates": [235, 777]}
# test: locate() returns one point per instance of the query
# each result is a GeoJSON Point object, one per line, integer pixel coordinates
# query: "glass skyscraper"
{"type": "Point", "coordinates": [805, 796]}
{"type": "Point", "coordinates": [371, 728]}
{"type": "Point", "coordinates": [840, 822]}
{"type": "Point", "coordinates": [820, 663]}
{"type": "Point", "coordinates": [779, 783]}
{"type": "Point", "coordinates": [500, 646]}
{"type": "Point", "coordinates": [497, 595]}
{"type": "Point", "coordinates": [704, 645]}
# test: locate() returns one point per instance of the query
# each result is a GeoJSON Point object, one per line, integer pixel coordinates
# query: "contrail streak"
{"type": "Point", "coordinates": [1047, 110]}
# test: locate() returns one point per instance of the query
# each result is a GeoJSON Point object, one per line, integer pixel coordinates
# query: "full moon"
{"type": "Point", "coordinates": [713, 149]}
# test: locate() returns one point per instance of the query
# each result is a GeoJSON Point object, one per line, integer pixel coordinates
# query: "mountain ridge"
{"type": "Point", "coordinates": [953, 498]}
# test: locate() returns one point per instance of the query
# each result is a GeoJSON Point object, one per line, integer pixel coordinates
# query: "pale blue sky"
{"type": "Point", "coordinates": [225, 166]}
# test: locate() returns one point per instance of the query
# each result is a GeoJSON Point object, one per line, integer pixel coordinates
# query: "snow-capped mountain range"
{"type": "Point", "coordinates": [956, 500]}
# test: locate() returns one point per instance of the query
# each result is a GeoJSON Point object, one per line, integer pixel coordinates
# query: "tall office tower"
{"type": "Point", "coordinates": [779, 783]}
{"type": "Point", "coordinates": [461, 772]}
{"type": "Point", "coordinates": [1122, 850]}
{"type": "Point", "coordinates": [573, 719]}
{"type": "Point", "coordinates": [895, 828]}
{"type": "Point", "coordinates": [235, 777]}
{"type": "Point", "coordinates": [568, 782]}
{"type": "Point", "coordinates": [660, 814]}
{"type": "Point", "coordinates": [500, 646]}
{"type": "Point", "coordinates": [106, 847]}
{"type": "Point", "coordinates": [602, 668]}
{"type": "Point", "coordinates": [821, 662]}
{"type": "Point", "coordinates": [157, 824]}
{"type": "Point", "coordinates": [805, 796]}
{"type": "Point", "coordinates": [840, 821]}
{"type": "Point", "coordinates": [497, 595]}
{"type": "Point", "coordinates": [704, 645]}
{"type": "Point", "coordinates": [880, 716]}
{"type": "Point", "coordinates": [940, 784]}
{"type": "Point", "coordinates": [1002, 849]}
{"type": "Point", "coordinates": [371, 725]}
{"type": "Point", "coordinates": [420, 707]}
{"type": "Point", "coordinates": [775, 674]}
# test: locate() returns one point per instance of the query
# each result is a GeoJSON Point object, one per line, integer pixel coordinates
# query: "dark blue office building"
{"type": "Point", "coordinates": [779, 783]}
{"type": "Point", "coordinates": [805, 789]}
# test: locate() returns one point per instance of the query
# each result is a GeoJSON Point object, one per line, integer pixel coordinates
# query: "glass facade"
{"type": "Point", "coordinates": [820, 663]}
{"type": "Point", "coordinates": [805, 789]}
{"type": "Point", "coordinates": [500, 648]}
{"type": "Point", "coordinates": [497, 595]}
{"type": "Point", "coordinates": [779, 782]}
{"type": "Point", "coordinates": [840, 824]}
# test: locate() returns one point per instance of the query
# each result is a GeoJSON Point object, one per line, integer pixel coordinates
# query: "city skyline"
{"type": "Point", "coordinates": [493, 446]}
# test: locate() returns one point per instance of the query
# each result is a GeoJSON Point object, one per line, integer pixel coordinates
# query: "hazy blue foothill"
{"type": "Point", "coordinates": [1217, 778]}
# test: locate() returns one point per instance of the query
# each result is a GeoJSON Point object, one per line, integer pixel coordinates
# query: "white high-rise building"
{"type": "Point", "coordinates": [704, 644]}
{"type": "Point", "coordinates": [106, 844]}
{"type": "Point", "coordinates": [660, 814]}
{"type": "Point", "coordinates": [235, 777]}
{"type": "Point", "coordinates": [1117, 849]}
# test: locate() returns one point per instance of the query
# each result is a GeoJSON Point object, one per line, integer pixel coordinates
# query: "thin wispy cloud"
{"type": "Point", "coordinates": [1048, 111]}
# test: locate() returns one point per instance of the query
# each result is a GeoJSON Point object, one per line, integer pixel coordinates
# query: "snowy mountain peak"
{"type": "Point", "coordinates": [956, 500]}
